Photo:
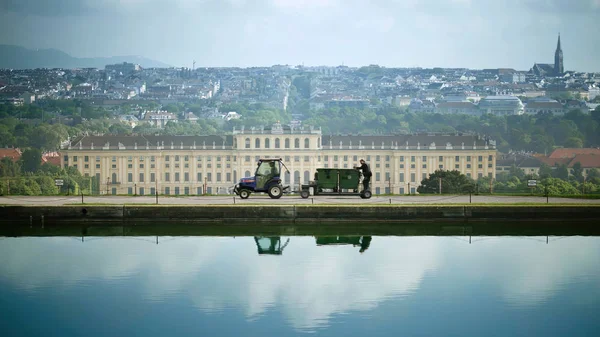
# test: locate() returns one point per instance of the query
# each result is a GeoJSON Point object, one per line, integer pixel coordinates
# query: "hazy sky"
{"type": "Point", "coordinates": [394, 33]}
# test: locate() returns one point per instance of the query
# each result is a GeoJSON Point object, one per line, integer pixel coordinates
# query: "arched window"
{"type": "Point", "coordinates": [267, 143]}
{"type": "Point", "coordinates": [287, 143]}
{"type": "Point", "coordinates": [247, 143]}
{"type": "Point", "coordinates": [235, 179]}
{"type": "Point", "coordinates": [296, 179]}
{"type": "Point", "coordinates": [306, 143]}
{"type": "Point", "coordinates": [319, 142]}
{"type": "Point", "coordinates": [297, 143]}
{"type": "Point", "coordinates": [235, 143]}
{"type": "Point", "coordinates": [246, 174]}
{"type": "Point", "coordinates": [287, 177]}
{"type": "Point", "coordinates": [277, 143]}
{"type": "Point", "coordinates": [257, 143]}
{"type": "Point", "coordinates": [306, 177]}
{"type": "Point", "coordinates": [114, 178]}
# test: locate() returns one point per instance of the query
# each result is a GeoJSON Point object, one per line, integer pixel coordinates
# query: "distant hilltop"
{"type": "Point", "coordinates": [15, 57]}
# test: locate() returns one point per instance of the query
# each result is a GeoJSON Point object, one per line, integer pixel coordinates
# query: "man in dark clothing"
{"type": "Point", "coordinates": [365, 242]}
{"type": "Point", "coordinates": [366, 171]}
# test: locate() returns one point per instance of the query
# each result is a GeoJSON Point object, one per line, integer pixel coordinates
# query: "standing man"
{"type": "Point", "coordinates": [366, 171]}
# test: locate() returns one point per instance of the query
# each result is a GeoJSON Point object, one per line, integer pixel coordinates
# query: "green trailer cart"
{"type": "Point", "coordinates": [336, 181]}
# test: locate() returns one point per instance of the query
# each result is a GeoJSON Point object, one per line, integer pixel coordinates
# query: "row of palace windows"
{"type": "Point", "coordinates": [296, 159]}
{"type": "Point", "coordinates": [167, 190]}
{"type": "Point", "coordinates": [229, 177]}
{"type": "Point", "coordinates": [186, 158]}
{"type": "Point", "coordinates": [86, 159]}
{"type": "Point", "coordinates": [277, 143]}
{"type": "Point", "coordinates": [208, 177]}
{"type": "Point", "coordinates": [413, 166]}
{"type": "Point", "coordinates": [441, 158]}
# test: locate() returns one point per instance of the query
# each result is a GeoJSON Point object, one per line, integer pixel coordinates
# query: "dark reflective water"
{"type": "Point", "coordinates": [282, 285]}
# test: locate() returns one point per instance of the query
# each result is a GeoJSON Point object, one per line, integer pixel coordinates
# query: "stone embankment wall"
{"type": "Point", "coordinates": [312, 213]}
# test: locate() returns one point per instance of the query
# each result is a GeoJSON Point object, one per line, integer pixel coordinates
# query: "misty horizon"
{"type": "Point", "coordinates": [240, 33]}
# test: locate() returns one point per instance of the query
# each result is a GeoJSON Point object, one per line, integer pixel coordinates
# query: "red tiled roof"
{"type": "Point", "coordinates": [14, 154]}
{"type": "Point", "coordinates": [52, 158]}
{"type": "Point", "coordinates": [570, 153]}
{"type": "Point", "coordinates": [586, 160]}
{"type": "Point", "coordinates": [554, 161]}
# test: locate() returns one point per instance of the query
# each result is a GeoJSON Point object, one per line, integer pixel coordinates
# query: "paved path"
{"type": "Point", "coordinates": [289, 200]}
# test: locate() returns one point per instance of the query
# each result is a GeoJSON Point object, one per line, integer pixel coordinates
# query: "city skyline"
{"type": "Point", "coordinates": [450, 34]}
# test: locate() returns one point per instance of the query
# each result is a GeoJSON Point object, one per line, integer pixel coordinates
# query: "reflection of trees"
{"type": "Point", "coordinates": [270, 245]}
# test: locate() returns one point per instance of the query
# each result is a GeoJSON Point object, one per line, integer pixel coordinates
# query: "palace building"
{"type": "Point", "coordinates": [193, 165]}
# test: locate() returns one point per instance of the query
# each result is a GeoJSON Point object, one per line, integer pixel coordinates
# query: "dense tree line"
{"type": "Point", "coordinates": [46, 110]}
{"type": "Point", "coordinates": [554, 182]}
{"type": "Point", "coordinates": [29, 176]}
{"type": "Point", "coordinates": [28, 128]}
{"type": "Point", "coordinates": [539, 133]}
{"type": "Point", "coordinates": [46, 137]}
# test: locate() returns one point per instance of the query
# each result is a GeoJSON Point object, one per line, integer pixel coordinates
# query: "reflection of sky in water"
{"type": "Point", "coordinates": [401, 284]}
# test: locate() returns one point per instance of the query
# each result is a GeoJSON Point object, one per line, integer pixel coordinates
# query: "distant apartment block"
{"type": "Point", "coordinates": [544, 105]}
{"type": "Point", "coordinates": [501, 105]}
{"type": "Point", "coordinates": [465, 107]}
{"type": "Point", "coordinates": [123, 68]}
{"type": "Point", "coordinates": [158, 119]}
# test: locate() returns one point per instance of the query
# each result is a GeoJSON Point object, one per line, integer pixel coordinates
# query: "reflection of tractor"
{"type": "Point", "coordinates": [270, 245]}
{"type": "Point", "coordinates": [267, 178]}
{"type": "Point", "coordinates": [335, 182]}
{"type": "Point", "coordinates": [363, 241]}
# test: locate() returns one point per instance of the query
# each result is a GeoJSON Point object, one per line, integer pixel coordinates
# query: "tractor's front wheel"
{"type": "Point", "coordinates": [304, 194]}
{"type": "Point", "coordinates": [244, 194]}
{"type": "Point", "coordinates": [275, 192]}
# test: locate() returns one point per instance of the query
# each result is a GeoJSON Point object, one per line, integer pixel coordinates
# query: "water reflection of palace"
{"type": "Point", "coordinates": [313, 287]}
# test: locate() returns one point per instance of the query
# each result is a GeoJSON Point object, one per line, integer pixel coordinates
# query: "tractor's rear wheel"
{"type": "Point", "coordinates": [244, 194]}
{"type": "Point", "coordinates": [304, 194]}
{"type": "Point", "coordinates": [275, 192]}
{"type": "Point", "coordinates": [366, 194]}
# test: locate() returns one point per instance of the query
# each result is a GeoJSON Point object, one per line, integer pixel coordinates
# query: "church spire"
{"type": "Point", "coordinates": [558, 59]}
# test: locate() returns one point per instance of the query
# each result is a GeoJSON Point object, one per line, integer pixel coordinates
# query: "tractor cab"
{"type": "Point", "coordinates": [267, 178]}
{"type": "Point", "coordinates": [271, 245]}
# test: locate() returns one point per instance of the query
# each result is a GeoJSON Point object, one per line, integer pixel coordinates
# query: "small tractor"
{"type": "Point", "coordinates": [267, 179]}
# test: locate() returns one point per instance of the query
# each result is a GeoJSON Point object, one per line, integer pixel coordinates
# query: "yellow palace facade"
{"type": "Point", "coordinates": [193, 165]}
